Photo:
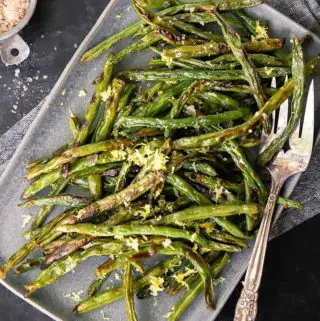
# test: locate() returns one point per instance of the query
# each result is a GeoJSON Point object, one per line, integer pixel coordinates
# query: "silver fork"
{"type": "Point", "coordinates": [284, 165]}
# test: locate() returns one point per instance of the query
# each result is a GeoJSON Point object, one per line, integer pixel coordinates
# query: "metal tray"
{"type": "Point", "coordinates": [50, 130]}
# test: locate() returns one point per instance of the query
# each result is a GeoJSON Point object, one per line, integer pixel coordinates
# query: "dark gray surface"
{"type": "Point", "coordinates": [291, 282]}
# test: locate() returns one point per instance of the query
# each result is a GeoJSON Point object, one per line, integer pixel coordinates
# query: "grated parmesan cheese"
{"type": "Point", "coordinates": [193, 237]}
{"type": "Point", "coordinates": [75, 296]}
{"type": "Point", "coordinates": [166, 243]}
{"type": "Point", "coordinates": [156, 285]}
{"type": "Point", "coordinates": [26, 219]}
{"type": "Point", "coordinates": [133, 243]}
{"type": "Point", "coordinates": [104, 317]}
{"type": "Point", "coordinates": [261, 31]}
{"type": "Point", "coordinates": [82, 93]}
{"type": "Point", "coordinates": [180, 278]}
{"type": "Point", "coordinates": [104, 96]}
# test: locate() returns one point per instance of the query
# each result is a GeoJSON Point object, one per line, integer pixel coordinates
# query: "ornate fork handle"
{"type": "Point", "coordinates": [246, 309]}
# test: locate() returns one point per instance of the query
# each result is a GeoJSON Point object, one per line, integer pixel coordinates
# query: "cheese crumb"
{"type": "Point", "coordinates": [261, 31]}
{"type": "Point", "coordinates": [191, 111]}
{"type": "Point", "coordinates": [181, 277]}
{"type": "Point", "coordinates": [133, 243]}
{"type": "Point", "coordinates": [26, 219]}
{"type": "Point", "coordinates": [104, 317]}
{"type": "Point", "coordinates": [75, 296]}
{"type": "Point", "coordinates": [104, 96]}
{"type": "Point", "coordinates": [268, 70]}
{"type": "Point", "coordinates": [218, 192]}
{"type": "Point", "coordinates": [155, 303]}
{"type": "Point", "coordinates": [144, 212]}
{"type": "Point", "coordinates": [167, 316]}
{"type": "Point", "coordinates": [119, 153]}
{"type": "Point", "coordinates": [156, 285]}
{"type": "Point", "coordinates": [166, 243]}
{"type": "Point", "coordinates": [82, 93]}
{"type": "Point", "coordinates": [159, 161]}
{"type": "Point", "coordinates": [193, 237]}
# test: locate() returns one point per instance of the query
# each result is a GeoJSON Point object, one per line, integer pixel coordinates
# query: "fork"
{"type": "Point", "coordinates": [284, 165]}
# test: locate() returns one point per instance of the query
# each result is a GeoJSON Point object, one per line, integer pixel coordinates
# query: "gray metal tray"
{"type": "Point", "coordinates": [50, 130]}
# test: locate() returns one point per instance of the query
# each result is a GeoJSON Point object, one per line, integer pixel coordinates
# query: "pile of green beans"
{"type": "Point", "coordinates": [165, 165]}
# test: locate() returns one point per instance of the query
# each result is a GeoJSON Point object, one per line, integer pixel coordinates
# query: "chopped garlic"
{"type": "Point", "coordinates": [156, 285]}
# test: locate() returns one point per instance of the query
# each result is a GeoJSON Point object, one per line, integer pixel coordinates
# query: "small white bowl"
{"type": "Point", "coordinates": [13, 49]}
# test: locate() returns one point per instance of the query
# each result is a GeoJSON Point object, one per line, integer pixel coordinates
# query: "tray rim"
{"type": "Point", "coordinates": [46, 105]}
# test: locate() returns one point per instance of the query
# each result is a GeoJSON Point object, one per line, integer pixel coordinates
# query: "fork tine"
{"type": "Point", "coordinates": [283, 115]}
{"type": "Point", "coordinates": [308, 123]}
{"type": "Point", "coordinates": [265, 138]}
{"type": "Point", "coordinates": [274, 82]}
{"type": "Point", "coordinates": [306, 140]}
